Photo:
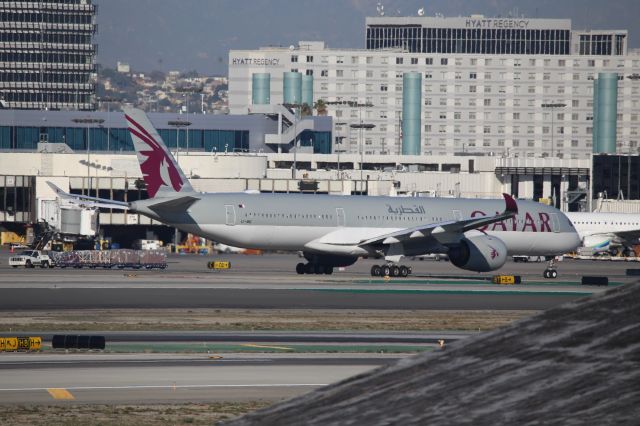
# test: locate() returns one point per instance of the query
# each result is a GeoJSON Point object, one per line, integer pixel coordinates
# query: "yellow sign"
{"type": "Point", "coordinates": [219, 264]}
{"type": "Point", "coordinates": [11, 344]}
{"type": "Point", "coordinates": [35, 343]}
{"type": "Point", "coordinates": [504, 279]}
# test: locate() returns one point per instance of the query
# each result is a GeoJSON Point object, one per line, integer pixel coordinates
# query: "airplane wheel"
{"type": "Point", "coordinates": [395, 271]}
{"type": "Point", "coordinates": [328, 270]}
{"type": "Point", "coordinates": [553, 273]}
{"type": "Point", "coordinates": [308, 268]}
{"type": "Point", "coordinates": [300, 268]}
{"type": "Point", "coordinates": [318, 269]}
{"type": "Point", "coordinates": [375, 271]}
{"type": "Point", "coordinates": [404, 271]}
{"type": "Point", "coordinates": [385, 270]}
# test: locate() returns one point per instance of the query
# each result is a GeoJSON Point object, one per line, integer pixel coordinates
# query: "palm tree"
{"type": "Point", "coordinates": [321, 107]}
{"type": "Point", "coordinates": [306, 110]}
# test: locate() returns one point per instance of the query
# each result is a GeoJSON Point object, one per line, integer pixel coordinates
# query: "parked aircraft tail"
{"type": "Point", "coordinates": [160, 171]}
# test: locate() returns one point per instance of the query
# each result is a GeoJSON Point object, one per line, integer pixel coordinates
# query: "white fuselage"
{"type": "Point", "coordinates": [338, 224]}
{"type": "Point", "coordinates": [599, 229]}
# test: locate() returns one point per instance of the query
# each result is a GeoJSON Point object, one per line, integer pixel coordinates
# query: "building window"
{"type": "Point", "coordinates": [414, 61]}
{"type": "Point", "coordinates": [399, 61]}
{"type": "Point", "coordinates": [428, 61]}
{"type": "Point", "coordinates": [294, 58]}
{"type": "Point", "coordinates": [444, 61]}
{"type": "Point", "coordinates": [309, 58]}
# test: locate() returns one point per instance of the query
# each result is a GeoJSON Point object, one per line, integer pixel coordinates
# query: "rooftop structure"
{"type": "Point", "coordinates": [478, 34]}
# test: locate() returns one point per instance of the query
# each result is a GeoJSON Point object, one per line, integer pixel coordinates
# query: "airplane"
{"type": "Point", "coordinates": [335, 230]}
{"type": "Point", "coordinates": [603, 231]}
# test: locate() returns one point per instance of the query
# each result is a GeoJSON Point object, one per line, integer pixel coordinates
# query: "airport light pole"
{"type": "Point", "coordinates": [108, 100]}
{"type": "Point", "coordinates": [187, 91]}
{"type": "Point", "coordinates": [339, 141]}
{"type": "Point", "coordinates": [360, 126]}
{"type": "Point", "coordinates": [88, 121]}
{"type": "Point", "coordinates": [553, 107]}
{"type": "Point", "coordinates": [178, 124]}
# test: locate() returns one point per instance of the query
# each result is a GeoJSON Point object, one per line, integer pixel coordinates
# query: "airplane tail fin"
{"type": "Point", "coordinates": [160, 171]}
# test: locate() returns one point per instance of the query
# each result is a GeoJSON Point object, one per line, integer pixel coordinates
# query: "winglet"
{"type": "Point", "coordinates": [511, 205]}
{"type": "Point", "coordinates": [56, 189]}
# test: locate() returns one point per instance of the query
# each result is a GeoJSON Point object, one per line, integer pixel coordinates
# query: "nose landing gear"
{"type": "Point", "coordinates": [390, 271]}
{"type": "Point", "coordinates": [551, 272]}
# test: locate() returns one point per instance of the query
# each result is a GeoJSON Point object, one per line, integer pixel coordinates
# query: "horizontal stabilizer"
{"type": "Point", "coordinates": [175, 204]}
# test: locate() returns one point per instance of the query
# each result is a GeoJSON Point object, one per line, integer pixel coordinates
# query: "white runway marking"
{"type": "Point", "coordinates": [170, 386]}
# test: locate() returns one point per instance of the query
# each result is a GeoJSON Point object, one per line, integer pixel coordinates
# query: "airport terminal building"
{"type": "Point", "coordinates": [440, 86]}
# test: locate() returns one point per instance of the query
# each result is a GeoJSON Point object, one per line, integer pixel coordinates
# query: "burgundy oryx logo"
{"type": "Point", "coordinates": [494, 253]}
{"type": "Point", "coordinates": [158, 168]}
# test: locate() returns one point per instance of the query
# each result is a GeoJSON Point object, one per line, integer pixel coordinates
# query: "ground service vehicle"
{"type": "Point", "coordinates": [31, 259]}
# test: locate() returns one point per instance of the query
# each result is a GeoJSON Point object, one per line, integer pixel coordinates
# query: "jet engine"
{"type": "Point", "coordinates": [597, 242]}
{"type": "Point", "coordinates": [479, 253]}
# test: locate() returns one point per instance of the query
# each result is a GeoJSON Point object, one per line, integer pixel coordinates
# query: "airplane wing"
{"type": "Point", "coordinates": [87, 201]}
{"type": "Point", "coordinates": [444, 231]}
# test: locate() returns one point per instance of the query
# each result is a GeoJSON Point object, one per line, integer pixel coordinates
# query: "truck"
{"type": "Point", "coordinates": [31, 259]}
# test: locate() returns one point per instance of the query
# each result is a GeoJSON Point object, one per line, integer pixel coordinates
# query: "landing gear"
{"type": "Point", "coordinates": [550, 272]}
{"type": "Point", "coordinates": [390, 271]}
{"type": "Point", "coordinates": [313, 268]}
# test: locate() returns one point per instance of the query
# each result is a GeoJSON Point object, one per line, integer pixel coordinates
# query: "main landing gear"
{"type": "Point", "coordinates": [551, 272]}
{"type": "Point", "coordinates": [390, 271]}
{"type": "Point", "coordinates": [313, 268]}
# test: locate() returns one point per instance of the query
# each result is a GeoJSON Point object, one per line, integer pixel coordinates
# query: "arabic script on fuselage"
{"type": "Point", "coordinates": [402, 209]}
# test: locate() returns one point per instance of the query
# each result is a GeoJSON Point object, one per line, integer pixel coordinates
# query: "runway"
{"type": "Point", "coordinates": [95, 378]}
{"type": "Point", "coordinates": [253, 283]}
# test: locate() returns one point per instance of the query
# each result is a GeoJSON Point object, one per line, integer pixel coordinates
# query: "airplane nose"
{"type": "Point", "coordinates": [574, 241]}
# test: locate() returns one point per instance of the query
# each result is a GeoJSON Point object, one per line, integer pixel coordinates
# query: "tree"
{"type": "Point", "coordinates": [321, 107]}
{"type": "Point", "coordinates": [306, 110]}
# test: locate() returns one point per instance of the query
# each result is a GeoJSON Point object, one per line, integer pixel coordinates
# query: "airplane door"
{"type": "Point", "coordinates": [340, 216]}
{"type": "Point", "coordinates": [555, 222]}
{"type": "Point", "coordinates": [230, 215]}
{"type": "Point", "coordinates": [457, 215]}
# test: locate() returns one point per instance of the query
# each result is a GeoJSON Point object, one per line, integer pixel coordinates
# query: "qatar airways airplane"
{"type": "Point", "coordinates": [334, 230]}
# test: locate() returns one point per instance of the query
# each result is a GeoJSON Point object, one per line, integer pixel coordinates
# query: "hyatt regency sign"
{"type": "Point", "coordinates": [258, 62]}
{"type": "Point", "coordinates": [497, 23]}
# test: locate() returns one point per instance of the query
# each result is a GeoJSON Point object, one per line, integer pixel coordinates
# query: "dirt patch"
{"type": "Point", "coordinates": [244, 320]}
{"type": "Point", "coordinates": [125, 415]}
